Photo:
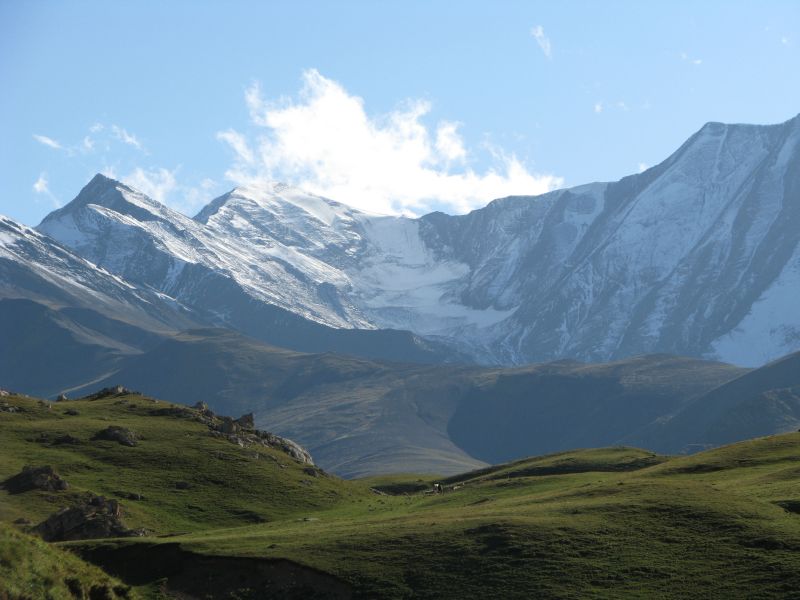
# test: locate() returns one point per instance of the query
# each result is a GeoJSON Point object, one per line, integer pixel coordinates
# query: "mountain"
{"type": "Point", "coordinates": [760, 402]}
{"type": "Point", "coordinates": [697, 256]}
{"type": "Point", "coordinates": [360, 417]}
{"type": "Point", "coordinates": [66, 322]}
{"type": "Point", "coordinates": [255, 284]}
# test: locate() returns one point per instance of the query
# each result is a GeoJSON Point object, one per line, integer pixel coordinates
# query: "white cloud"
{"type": "Point", "coordinates": [785, 40]}
{"type": "Point", "coordinates": [125, 137]}
{"type": "Point", "coordinates": [238, 144]}
{"type": "Point", "coordinates": [88, 144]}
{"type": "Point", "coordinates": [598, 107]}
{"type": "Point", "coordinates": [156, 183]}
{"type": "Point", "coordinates": [448, 143]}
{"type": "Point", "coordinates": [326, 143]}
{"type": "Point", "coordinates": [623, 106]}
{"type": "Point", "coordinates": [643, 167]}
{"type": "Point", "coordinates": [41, 186]}
{"type": "Point", "coordinates": [543, 41]}
{"type": "Point", "coordinates": [47, 141]}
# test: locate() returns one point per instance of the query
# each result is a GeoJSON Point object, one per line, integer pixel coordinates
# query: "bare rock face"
{"type": "Point", "coordinates": [110, 392]}
{"type": "Point", "coordinates": [95, 518]}
{"type": "Point", "coordinates": [35, 478]}
{"type": "Point", "coordinates": [293, 449]}
{"type": "Point", "coordinates": [242, 431]}
{"type": "Point", "coordinates": [115, 433]}
{"type": "Point", "coordinates": [246, 421]}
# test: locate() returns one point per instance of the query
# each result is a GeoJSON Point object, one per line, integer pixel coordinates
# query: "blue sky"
{"type": "Point", "coordinates": [390, 106]}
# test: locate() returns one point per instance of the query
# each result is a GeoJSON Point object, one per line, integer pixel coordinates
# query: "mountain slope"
{"type": "Point", "coordinates": [360, 417]}
{"type": "Point", "coordinates": [760, 402]}
{"type": "Point", "coordinates": [698, 256]}
{"type": "Point", "coordinates": [64, 321]}
{"type": "Point", "coordinates": [264, 288]}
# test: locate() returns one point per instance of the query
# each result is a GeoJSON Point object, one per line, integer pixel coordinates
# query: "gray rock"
{"type": "Point", "coordinates": [35, 478]}
{"type": "Point", "coordinates": [92, 519]}
{"type": "Point", "coordinates": [118, 434]}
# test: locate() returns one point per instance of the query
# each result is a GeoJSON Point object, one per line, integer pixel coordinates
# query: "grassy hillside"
{"type": "Point", "coordinates": [31, 569]}
{"type": "Point", "coordinates": [605, 523]}
{"type": "Point", "coordinates": [187, 478]}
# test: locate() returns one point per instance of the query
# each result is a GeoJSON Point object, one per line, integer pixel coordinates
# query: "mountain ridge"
{"type": "Point", "coordinates": [696, 256]}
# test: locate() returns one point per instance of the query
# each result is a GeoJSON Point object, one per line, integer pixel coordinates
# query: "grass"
{"type": "Point", "coordinates": [600, 523]}
{"type": "Point", "coordinates": [31, 569]}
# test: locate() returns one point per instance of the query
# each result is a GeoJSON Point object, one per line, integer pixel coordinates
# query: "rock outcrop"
{"type": "Point", "coordinates": [115, 433]}
{"type": "Point", "coordinates": [30, 478]}
{"type": "Point", "coordinates": [110, 392]}
{"type": "Point", "coordinates": [94, 518]}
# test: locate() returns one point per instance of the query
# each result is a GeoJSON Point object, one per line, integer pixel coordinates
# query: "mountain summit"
{"type": "Point", "coordinates": [696, 256]}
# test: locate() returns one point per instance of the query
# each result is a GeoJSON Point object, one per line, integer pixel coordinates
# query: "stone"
{"type": "Point", "coordinates": [35, 478]}
{"type": "Point", "coordinates": [93, 518]}
{"type": "Point", "coordinates": [62, 398]}
{"type": "Point", "coordinates": [229, 426]}
{"type": "Point", "coordinates": [246, 421]}
{"type": "Point", "coordinates": [118, 434]}
{"type": "Point", "coordinates": [110, 392]}
{"type": "Point", "coordinates": [71, 412]}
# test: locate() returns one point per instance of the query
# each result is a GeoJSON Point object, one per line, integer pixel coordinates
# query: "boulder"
{"type": "Point", "coordinates": [118, 434]}
{"type": "Point", "coordinates": [246, 421]}
{"type": "Point", "coordinates": [92, 519]}
{"type": "Point", "coordinates": [62, 398]}
{"type": "Point", "coordinates": [228, 426]}
{"type": "Point", "coordinates": [35, 478]}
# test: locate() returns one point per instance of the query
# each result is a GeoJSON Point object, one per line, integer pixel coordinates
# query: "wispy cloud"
{"type": "Point", "coordinates": [239, 144]}
{"type": "Point", "coordinates": [694, 61]}
{"type": "Point", "coordinates": [326, 142]}
{"type": "Point", "coordinates": [643, 167]}
{"type": "Point", "coordinates": [598, 107]}
{"type": "Point", "coordinates": [543, 41]}
{"type": "Point", "coordinates": [127, 138]}
{"type": "Point", "coordinates": [157, 183]}
{"type": "Point", "coordinates": [40, 186]}
{"type": "Point", "coordinates": [47, 141]}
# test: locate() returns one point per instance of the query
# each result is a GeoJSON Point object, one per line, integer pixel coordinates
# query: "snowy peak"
{"type": "Point", "coordinates": [114, 195]}
{"type": "Point", "coordinates": [698, 255]}
{"type": "Point", "coordinates": [280, 200]}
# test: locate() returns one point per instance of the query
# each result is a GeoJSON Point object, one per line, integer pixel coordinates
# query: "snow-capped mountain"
{"type": "Point", "coordinates": [696, 256]}
{"type": "Point", "coordinates": [35, 267]}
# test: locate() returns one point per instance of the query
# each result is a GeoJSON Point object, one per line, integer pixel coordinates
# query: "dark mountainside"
{"type": "Point", "coordinates": [364, 417]}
